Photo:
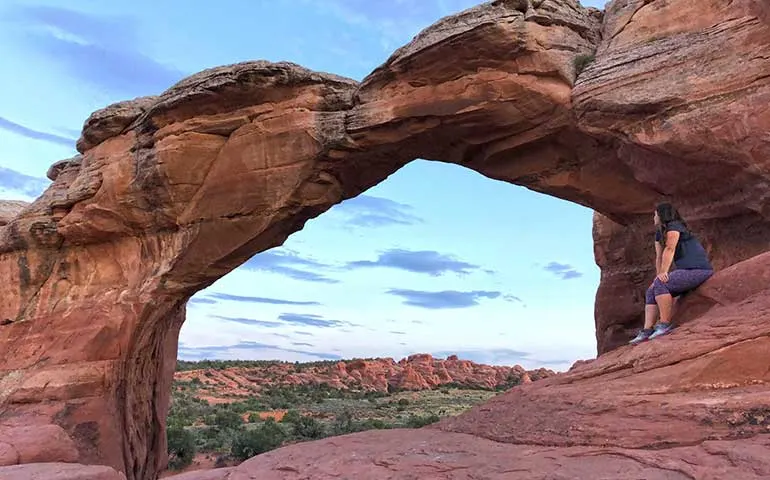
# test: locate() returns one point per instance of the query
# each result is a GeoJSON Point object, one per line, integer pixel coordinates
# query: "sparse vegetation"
{"type": "Point", "coordinates": [233, 415]}
{"type": "Point", "coordinates": [181, 447]}
{"type": "Point", "coordinates": [582, 61]}
{"type": "Point", "coordinates": [237, 431]}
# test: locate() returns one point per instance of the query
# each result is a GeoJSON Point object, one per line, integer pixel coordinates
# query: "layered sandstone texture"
{"type": "Point", "coordinates": [172, 192]}
{"type": "Point", "coordinates": [416, 372]}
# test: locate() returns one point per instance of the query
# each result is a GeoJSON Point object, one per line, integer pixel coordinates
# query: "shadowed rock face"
{"type": "Point", "coordinates": [172, 192]}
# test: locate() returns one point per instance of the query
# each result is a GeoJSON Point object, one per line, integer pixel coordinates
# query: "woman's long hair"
{"type": "Point", "coordinates": [667, 214]}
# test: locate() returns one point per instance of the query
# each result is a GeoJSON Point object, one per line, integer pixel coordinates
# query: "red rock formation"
{"type": "Point", "coordinates": [416, 372]}
{"type": "Point", "coordinates": [172, 192]}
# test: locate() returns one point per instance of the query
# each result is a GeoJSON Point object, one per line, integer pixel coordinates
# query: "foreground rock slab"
{"type": "Point", "coordinates": [435, 455]}
{"type": "Point", "coordinates": [59, 471]}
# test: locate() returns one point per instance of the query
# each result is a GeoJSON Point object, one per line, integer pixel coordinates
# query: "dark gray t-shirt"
{"type": "Point", "coordinates": [689, 253]}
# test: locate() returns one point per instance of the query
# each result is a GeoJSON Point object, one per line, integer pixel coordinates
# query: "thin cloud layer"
{"type": "Point", "coordinates": [442, 299]}
{"type": "Point", "coordinates": [563, 270]}
{"type": "Point", "coordinates": [246, 299]}
{"type": "Point", "coordinates": [422, 261]}
{"type": "Point", "coordinates": [21, 184]}
{"type": "Point", "coordinates": [286, 263]}
{"type": "Point", "coordinates": [201, 301]}
{"type": "Point", "coordinates": [249, 321]}
{"type": "Point", "coordinates": [245, 350]}
{"type": "Point", "coordinates": [99, 50]}
{"type": "Point", "coordinates": [370, 211]}
{"type": "Point", "coordinates": [19, 129]}
{"type": "Point", "coordinates": [311, 320]}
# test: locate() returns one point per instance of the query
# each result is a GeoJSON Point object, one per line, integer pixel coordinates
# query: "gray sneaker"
{"type": "Point", "coordinates": [643, 335]}
{"type": "Point", "coordinates": [661, 329]}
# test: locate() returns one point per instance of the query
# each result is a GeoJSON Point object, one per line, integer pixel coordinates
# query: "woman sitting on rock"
{"type": "Point", "coordinates": [674, 245]}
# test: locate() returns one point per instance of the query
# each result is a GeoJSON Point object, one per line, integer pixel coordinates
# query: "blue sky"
{"type": "Point", "coordinates": [469, 265]}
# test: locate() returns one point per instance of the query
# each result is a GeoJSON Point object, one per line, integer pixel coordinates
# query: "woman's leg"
{"type": "Point", "coordinates": [650, 317]}
{"type": "Point", "coordinates": [679, 281]}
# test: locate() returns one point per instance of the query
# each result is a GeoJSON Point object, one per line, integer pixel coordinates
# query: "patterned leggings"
{"type": "Point", "coordinates": [679, 282]}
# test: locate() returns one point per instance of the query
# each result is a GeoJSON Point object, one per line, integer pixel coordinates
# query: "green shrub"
{"type": "Point", "coordinates": [308, 428]}
{"type": "Point", "coordinates": [292, 416]}
{"type": "Point", "coordinates": [582, 61]}
{"type": "Point", "coordinates": [251, 442]}
{"type": "Point", "coordinates": [225, 418]}
{"type": "Point", "coordinates": [417, 421]}
{"type": "Point", "coordinates": [181, 447]}
{"type": "Point", "coordinates": [403, 401]}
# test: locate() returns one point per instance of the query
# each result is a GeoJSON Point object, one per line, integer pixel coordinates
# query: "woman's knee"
{"type": "Point", "coordinates": [649, 296]}
{"type": "Point", "coordinates": [659, 288]}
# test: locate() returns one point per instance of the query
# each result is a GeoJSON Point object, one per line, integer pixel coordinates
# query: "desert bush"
{"type": "Point", "coordinates": [226, 418]}
{"type": "Point", "coordinates": [418, 421]}
{"type": "Point", "coordinates": [181, 447]}
{"type": "Point", "coordinates": [582, 61]}
{"type": "Point", "coordinates": [308, 428]}
{"type": "Point", "coordinates": [250, 442]}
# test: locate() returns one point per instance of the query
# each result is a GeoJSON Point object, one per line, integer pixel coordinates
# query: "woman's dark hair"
{"type": "Point", "coordinates": [667, 214]}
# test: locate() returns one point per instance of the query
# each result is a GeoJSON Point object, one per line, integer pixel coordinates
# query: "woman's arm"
{"type": "Point", "coordinates": [667, 258]}
{"type": "Point", "coordinates": [658, 256]}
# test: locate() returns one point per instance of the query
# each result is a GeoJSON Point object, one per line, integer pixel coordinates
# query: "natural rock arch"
{"type": "Point", "coordinates": [172, 192]}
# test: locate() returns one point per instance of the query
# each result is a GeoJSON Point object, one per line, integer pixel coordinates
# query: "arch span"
{"type": "Point", "coordinates": [172, 192]}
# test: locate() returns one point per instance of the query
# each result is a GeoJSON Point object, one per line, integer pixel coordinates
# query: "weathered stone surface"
{"type": "Point", "coordinates": [216, 474]}
{"type": "Point", "coordinates": [428, 453]}
{"type": "Point", "coordinates": [111, 121]}
{"type": "Point", "coordinates": [174, 191]}
{"type": "Point", "coordinates": [683, 95]}
{"type": "Point", "coordinates": [55, 169]}
{"type": "Point", "coordinates": [46, 443]}
{"type": "Point", "coordinates": [59, 471]}
{"type": "Point", "coordinates": [10, 209]}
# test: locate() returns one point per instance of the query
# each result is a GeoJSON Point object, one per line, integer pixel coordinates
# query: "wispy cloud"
{"type": "Point", "coordinates": [201, 301]}
{"type": "Point", "coordinates": [285, 263]}
{"type": "Point", "coordinates": [311, 320]}
{"type": "Point", "coordinates": [100, 50]}
{"type": "Point", "coordinates": [563, 270]}
{"type": "Point", "coordinates": [244, 350]}
{"type": "Point", "coordinates": [370, 211]}
{"type": "Point", "coordinates": [395, 332]}
{"type": "Point", "coordinates": [421, 261]}
{"type": "Point", "coordinates": [442, 299]}
{"type": "Point", "coordinates": [21, 184]}
{"type": "Point", "coordinates": [493, 356]}
{"type": "Point", "coordinates": [249, 321]}
{"type": "Point", "coordinates": [302, 344]}
{"type": "Point", "coordinates": [390, 25]}
{"type": "Point", "coordinates": [27, 132]}
{"type": "Point", "coordinates": [307, 334]}
{"type": "Point", "coordinates": [271, 301]}
{"type": "Point", "coordinates": [504, 356]}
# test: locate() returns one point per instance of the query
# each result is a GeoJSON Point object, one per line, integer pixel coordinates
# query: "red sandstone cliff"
{"type": "Point", "coordinates": [172, 192]}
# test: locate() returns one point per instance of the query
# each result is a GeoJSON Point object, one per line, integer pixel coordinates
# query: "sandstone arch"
{"type": "Point", "coordinates": [172, 192]}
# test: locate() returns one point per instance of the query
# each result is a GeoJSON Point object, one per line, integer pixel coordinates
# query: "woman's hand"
{"type": "Point", "coordinates": [663, 277]}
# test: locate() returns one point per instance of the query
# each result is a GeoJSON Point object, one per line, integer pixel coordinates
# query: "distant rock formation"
{"type": "Point", "coordinates": [614, 110]}
{"type": "Point", "coordinates": [416, 372]}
